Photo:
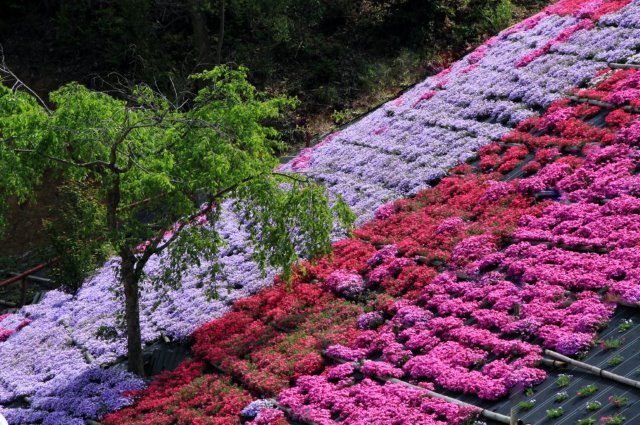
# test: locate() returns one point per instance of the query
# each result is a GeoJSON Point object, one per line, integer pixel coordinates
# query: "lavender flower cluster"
{"type": "Point", "coordinates": [45, 365]}
{"type": "Point", "coordinates": [627, 17]}
{"type": "Point", "coordinates": [44, 369]}
{"type": "Point", "coordinates": [411, 141]}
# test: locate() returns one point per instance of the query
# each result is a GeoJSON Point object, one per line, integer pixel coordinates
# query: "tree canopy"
{"type": "Point", "coordinates": [140, 172]}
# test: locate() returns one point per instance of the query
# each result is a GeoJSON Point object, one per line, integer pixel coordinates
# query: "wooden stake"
{"type": "Point", "coordinates": [514, 416]}
{"type": "Point", "coordinates": [516, 310]}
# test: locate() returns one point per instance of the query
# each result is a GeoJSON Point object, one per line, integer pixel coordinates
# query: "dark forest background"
{"type": "Point", "coordinates": [339, 57]}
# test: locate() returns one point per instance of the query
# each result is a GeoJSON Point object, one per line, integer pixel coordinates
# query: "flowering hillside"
{"type": "Point", "coordinates": [458, 288]}
{"type": "Point", "coordinates": [440, 292]}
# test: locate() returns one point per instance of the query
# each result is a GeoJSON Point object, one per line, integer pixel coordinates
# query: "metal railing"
{"type": "Point", "coordinates": [23, 277]}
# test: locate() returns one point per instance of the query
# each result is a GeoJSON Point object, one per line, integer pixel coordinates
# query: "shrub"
{"type": "Point", "coordinates": [615, 360]}
{"type": "Point", "coordinates": [555, 413]}
{"type": "Point", "coordinates": [587, 390]}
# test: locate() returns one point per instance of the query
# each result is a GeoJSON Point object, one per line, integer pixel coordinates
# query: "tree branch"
{"type": "Point", "coordinates": [293, 177]}
{"type": "Point", "coordinates": [159, 248]}
{"type": "Point", "coordinates": [123, 135]}
{"type": "Point", "coordinates": [93, 165]}
{"type": "Point", "coordinates": [4, 69]}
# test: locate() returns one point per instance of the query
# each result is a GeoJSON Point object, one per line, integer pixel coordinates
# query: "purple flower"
{"type": "Point", "coordinates": [369, 320]}
{"type": "Point", "coordinates": [345, 282]}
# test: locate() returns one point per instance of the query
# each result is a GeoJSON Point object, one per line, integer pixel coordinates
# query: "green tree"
{"type": "Point", "coordinates": [137, 167]}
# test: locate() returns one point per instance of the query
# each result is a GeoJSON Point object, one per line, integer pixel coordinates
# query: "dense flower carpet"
{"type": "Point", "coordinates": [499, 211]}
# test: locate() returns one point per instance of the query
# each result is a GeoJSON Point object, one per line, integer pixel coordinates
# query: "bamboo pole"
{"type": "Point", "coordinates": [614, 65]}
{"type": "Point", "coordinates": [553, 363]}
{"type": "Point", "coordinates": [594, 370]}
{"type": "Point", "coordinates": [600, 103]}
{"type": "Point", "coordinates": [489, 414]}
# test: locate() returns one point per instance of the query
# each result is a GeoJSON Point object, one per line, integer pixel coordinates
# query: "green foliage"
{"type": "Point", "coordinates": [611, 343]}
{"type": "Point", "coordinates": [118, 32]}
{"type": "Point", "coordinates": [555, 412]}
{"type": "Point", "coordinates": [278, 215]}
{"type": "Point", "coordinates": [328, 53]}
{"type": "Point", "coordinates": [587, 390]}
{"type": "Point", "coordinates": [22, 123]}
{"type": "Point", "coordinates": [593, 405]}
{"type": "Point", "coordinates": [526, 404]}
{"type": "Point", "coordinates": [560, 397]}
{"type": "Point", "coordinates": [618, 400]}
{"type": "Point", "coordinates": [563, 380]}
{"type": "Point", "coordinates": [498, 17]}
{"type": "Point", "coordinates": [615, 360]}
{"type": "Point", "coordinates": [76, 233]}
{"type": "Point", "coordinates": [107, 333]}
{"type": "Point", "coordinates": [342, 117]}
{"type": "Point", "coordinates": [613, 420]}
{"type": "Point", "coordinates": [139, 166]}
{"type": "Point", "coordinates": [625, 325]}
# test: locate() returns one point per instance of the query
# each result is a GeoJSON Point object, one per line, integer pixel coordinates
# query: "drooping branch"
{"type": "Point", "coordinates": [157, 245]}
{"type": "Point", "coordinates": [5, 70]}
{"type": "Point", "coordinates": [293, 177]}
{"type": "Point", "coordinates": [92, 165]}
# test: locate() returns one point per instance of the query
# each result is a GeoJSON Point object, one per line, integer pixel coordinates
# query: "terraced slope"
{"type": "Point", "coordinates": [455, 289]}
{"type": "Point", "coordinates": [461, 289]}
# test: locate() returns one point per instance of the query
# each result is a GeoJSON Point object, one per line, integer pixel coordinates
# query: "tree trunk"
{"type": "Point", "coordinates": [200, 32]}
{"type": "Point", "coordinates": [132, 312]}
{"type": "Point", "coordinates": [113, 201]}
{"type": "Point", "coordinates": [221, 13]}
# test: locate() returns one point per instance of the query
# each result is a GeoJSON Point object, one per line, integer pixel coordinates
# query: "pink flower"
{"type": "Point", "coordinates": [383, 254]}
{"type": "Point", "coordinates": [384, 211]}
{"type": "Point", "coordinates": [340, 372]}
{"type": "Point", "coordinates": [380, 370]}
{"type": "Point", "coordinates": [450, 225]}
{"type": "Point", "coordinates": [343, 353]}
{"type": "Point", "coordinates": [345, 282]}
